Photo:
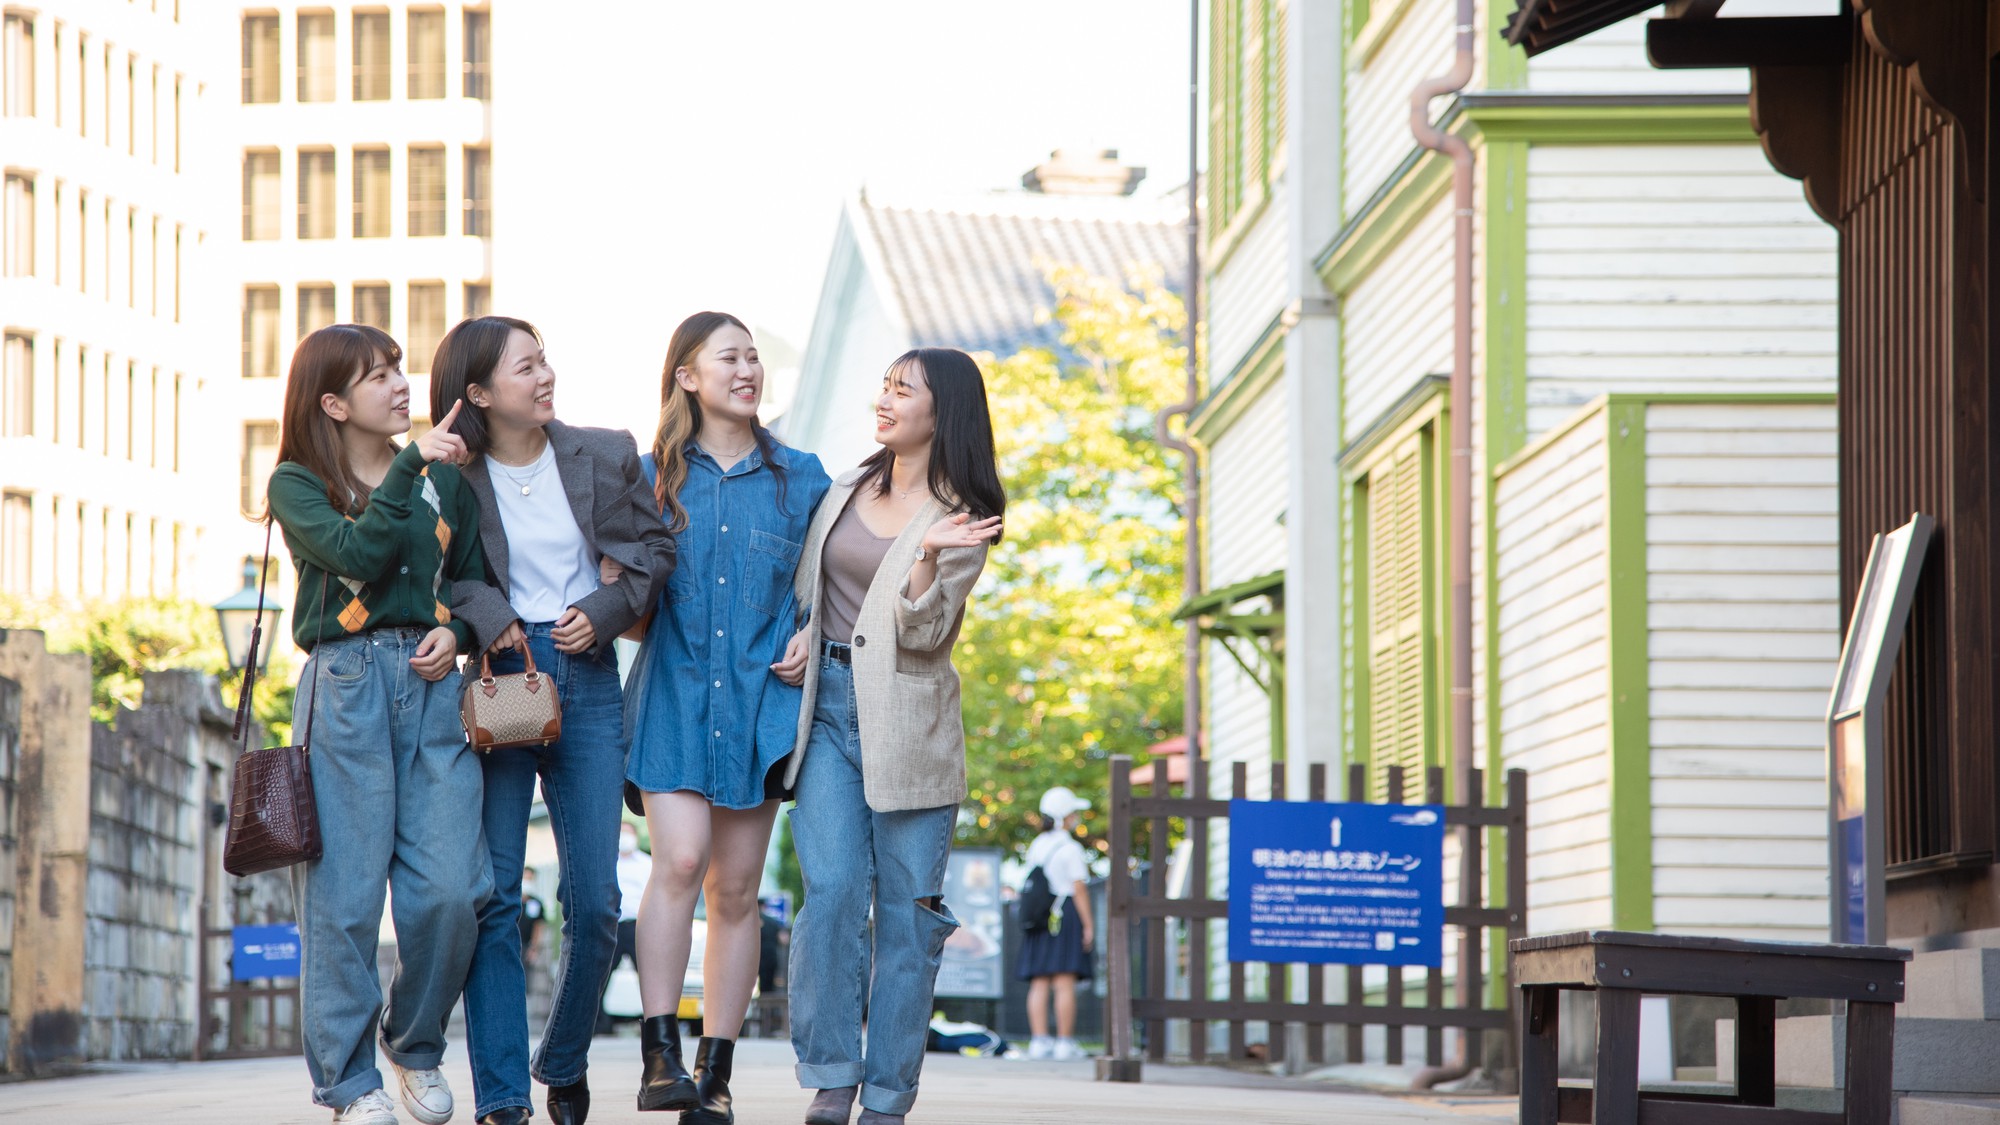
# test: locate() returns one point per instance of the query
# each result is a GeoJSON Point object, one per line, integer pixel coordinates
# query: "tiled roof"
{"type": "Point", "coordinates": [974, 277]}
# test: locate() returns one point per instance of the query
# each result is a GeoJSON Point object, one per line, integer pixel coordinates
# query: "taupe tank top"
{"type": "Point", "coordinates": [849, 559]}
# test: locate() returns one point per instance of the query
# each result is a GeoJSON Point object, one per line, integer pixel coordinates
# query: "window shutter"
{"type": "Point", "coordinates": [1278, 39]}
{"type": "Point", "coordinates": [1399, 645]}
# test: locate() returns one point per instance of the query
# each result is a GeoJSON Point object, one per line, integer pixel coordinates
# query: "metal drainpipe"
{"type": "Point", "coordinates": [1460, 153]}
{"type": "Point", "coordinates": [1191, 705]}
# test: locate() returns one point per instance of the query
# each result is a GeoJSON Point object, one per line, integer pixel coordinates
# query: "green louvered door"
{"type": "Point", "coordinates": [1401, 610]}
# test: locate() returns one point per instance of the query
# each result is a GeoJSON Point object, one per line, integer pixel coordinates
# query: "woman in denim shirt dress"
{"type": "Point", "coordinates": [711, 724]}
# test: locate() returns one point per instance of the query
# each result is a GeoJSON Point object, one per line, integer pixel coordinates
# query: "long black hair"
{"type": "Point", "coordinates": [470, 354]}
{"type": "Point", "coordinates": [964, 472]}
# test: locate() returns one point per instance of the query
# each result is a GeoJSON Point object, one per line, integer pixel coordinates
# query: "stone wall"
{"type": "Point", "coordinates": [149, 796]}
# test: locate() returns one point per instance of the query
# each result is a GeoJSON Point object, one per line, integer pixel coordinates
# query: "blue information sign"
{"type": "Point", "coordinates": [1339, 883]}
{"type": "Point", "coordinates": [261, 952]}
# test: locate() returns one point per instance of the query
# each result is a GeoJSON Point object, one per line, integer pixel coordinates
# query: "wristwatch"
{"type": "Point", "coordinates": [922, 554]}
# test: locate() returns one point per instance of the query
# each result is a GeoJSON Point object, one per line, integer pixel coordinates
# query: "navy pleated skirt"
{"type": "Point", "coordinates": [1044, 954]}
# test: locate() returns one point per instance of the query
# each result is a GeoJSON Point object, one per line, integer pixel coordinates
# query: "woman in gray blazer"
{"type": "Point", "coordinates": [558, 506]}
{"type": "Point", "coordinates": [879, 765]}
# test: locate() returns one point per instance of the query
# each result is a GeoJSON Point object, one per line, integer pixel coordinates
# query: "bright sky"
{"type": "Point", "coordinates": [657, 158]}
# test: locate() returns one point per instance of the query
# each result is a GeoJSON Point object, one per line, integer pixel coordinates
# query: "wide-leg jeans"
{"type": "Point", "coordinates": [583, 777]}
{"type": "Point", "coordinates": [398, 793]}
{"type": "Point", "coordinates": [851, 857]}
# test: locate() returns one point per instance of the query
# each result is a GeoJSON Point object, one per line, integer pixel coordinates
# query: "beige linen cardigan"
{"type": "Point", "coordinates": [905, 688]}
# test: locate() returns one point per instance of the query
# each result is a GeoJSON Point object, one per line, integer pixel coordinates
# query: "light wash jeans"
{"type": "Point", "coordinates": [398, 793]}
{"type": "Point", "coordinates": [583, 780]}
{"type": "Point", "coordinates": [851, 856]}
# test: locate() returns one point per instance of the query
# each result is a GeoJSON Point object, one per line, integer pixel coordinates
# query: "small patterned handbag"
{"type": "Point", "coordinates": [515, 709]}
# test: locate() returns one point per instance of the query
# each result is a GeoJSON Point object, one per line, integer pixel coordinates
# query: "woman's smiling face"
{"type": "Point", "coordinates": [725, 376]}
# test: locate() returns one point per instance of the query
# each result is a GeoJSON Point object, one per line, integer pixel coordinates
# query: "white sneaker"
{"type": "Point", "coordinates": [1067, 1051]}
{"type": "Point", "coordinates": [371, 1108]}
{"type": "Point", "coordinates": [425, 1094]}
{"type": "Point", "coordinates": [1041, 1047]}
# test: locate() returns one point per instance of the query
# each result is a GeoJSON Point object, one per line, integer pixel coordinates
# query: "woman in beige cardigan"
{"type": "Point", "coordinates": [879, 768]}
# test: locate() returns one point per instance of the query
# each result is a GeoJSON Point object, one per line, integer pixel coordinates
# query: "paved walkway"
{"type": "Point", "coordinates": [957, 1091]}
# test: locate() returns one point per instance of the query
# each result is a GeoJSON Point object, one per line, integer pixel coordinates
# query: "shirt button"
{"type": "Point", "coordinates": [718, 734]}
{"type": "Point", "coordinates": [725, 527]}
{"type": "Point", "coordinates": [860, 641]}
{"type": "Point", "coordinates": [722, 582]}
{"type": "Point", "coordinates": [405, 570]}
{"type": "Point", "coordinates": [718, 683]}
{"type": "Point", "coordinates": [718, 632]}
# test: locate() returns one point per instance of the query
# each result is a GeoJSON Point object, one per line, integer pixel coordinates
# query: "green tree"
{"type": "Point", "coordinates": [1069, 653]}
{"type": "Point", "coordinates": [127, 639]}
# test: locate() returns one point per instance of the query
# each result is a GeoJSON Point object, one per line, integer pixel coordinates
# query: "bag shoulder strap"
{"type": "Point", "coordinates": [241, 730]}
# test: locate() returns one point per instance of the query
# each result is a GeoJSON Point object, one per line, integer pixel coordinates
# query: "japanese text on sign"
{"type": "Point", "coordinates": [1336, 883]}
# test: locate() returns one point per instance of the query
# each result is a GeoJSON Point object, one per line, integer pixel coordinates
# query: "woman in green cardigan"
{"type": "Point", "coordinates": [378, 533]}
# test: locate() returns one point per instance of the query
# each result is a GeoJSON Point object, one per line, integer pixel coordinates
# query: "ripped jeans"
{"type": "Point", "coordinates": [852, 856]}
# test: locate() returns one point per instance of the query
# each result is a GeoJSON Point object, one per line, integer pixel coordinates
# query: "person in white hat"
{"type": "Point", "coordinates": [1055, 913]}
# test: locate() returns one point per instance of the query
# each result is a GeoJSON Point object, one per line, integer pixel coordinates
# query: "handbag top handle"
{"type": "Point", "coordinates": [241, 731]}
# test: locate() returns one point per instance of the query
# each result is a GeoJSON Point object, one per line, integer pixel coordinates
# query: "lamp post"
{"type": "Point", "coordinates": [237, 615]}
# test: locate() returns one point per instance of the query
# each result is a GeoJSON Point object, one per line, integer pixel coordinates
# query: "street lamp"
{"type": "Point", "coordinates": [237, 614]}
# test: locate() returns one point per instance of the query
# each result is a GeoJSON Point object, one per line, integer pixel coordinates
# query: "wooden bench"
{"type": "Point", "coordinates": [1621, 967]}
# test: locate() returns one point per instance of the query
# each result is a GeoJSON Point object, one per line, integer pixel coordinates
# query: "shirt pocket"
{"type": "Point", "coordinates": [767, 573]}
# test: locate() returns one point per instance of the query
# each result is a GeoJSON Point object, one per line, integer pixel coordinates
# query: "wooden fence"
{"type": "Point", "coordinates": [1483, 930]}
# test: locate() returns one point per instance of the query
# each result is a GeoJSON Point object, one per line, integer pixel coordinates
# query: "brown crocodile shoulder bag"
{"type": "Point", "coordinates": [273, 819]}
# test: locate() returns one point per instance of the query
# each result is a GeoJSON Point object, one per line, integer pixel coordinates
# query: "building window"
{"type": "Point", "coordinates": [131, 257]}
{"type": "Point", "coordinates": [371, 56]}
{"type": "Point", "coordinates": [316, 57]}
{"type": "Point", "coordinates": [177, 124]}
{"type": "Point", "coordinates": [1247, 118]}
{"type": "Point", "coordinates": [17, 385]}
{"type": "Point", "coordinates": [371, 193]}
{"type": "Point", "coordinates": [478, 54]}
{"type": "Point", "coordinates": [478, 299]}
{"type": "Point", "coordinates": [371, 304]}
{"type": "Point", "coordinates": [82, 241]}
{"type": "Point", "coordinates": [426, 190]}
{"type": "Point", "coordinates": [426, 324]}
{"type": "Point", "coordinates": [174, 420]}
{"type": "Point", "coordinates": [153, 115]}
{"type": "Point", "coordinates": [131, 411]}
{"type": "Point", "coordinates": [260, 60]}
{"type": "Point", "coordinates": [479, 192]}
{"type": "Point", "coordinates": [315, 308]}
{"type": "Point", "coordinates": [131, 105]}
{"type": "Point", "coordinates": [17, 543]}
{"type": "Point", "coordinates": [426, 48]}
{"type": "Point", "coordinates": [1398, 541]}
{"type": "Point", "coordinates": [18, 250]}
{"type": "Point", "coordinates": [82, 85]}
{"type": "Point", "coordinates": [177, 273]}
{"type": "Point", "coordinates": [82, 400]}
{"type": "Point", "coordinates": [17, 65]}
{"type": "Point", "coordinates": [260, 195]}
{"type": "Point", "coordinates": [316, 203]}
{"type": "Point", "coordinates": [260, 460]}
{"type": "Point", "coordinates": [260, 332]}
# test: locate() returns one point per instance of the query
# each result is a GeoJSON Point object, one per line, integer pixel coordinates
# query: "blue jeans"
{"type": "Point", "coordinates": [398, 794]}
{"type": "Point", "coordinates": [583, 778]}
{"type": "Point", "coordinates": [852, 856]}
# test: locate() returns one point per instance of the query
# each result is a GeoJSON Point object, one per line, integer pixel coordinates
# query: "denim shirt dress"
{"type": "Point", "coordinates": [706, 712]}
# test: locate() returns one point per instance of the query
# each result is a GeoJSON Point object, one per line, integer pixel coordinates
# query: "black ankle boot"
{"type": "Point", "coordinates": [569, 1105]}
{"type": "Point", "coordinates": [665, 1083]}
{"type": "Point", "coordinates": [711, 1082]}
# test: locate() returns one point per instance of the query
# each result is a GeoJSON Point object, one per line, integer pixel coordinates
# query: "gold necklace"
{"type": "Point", "coordinates": [720, 456]}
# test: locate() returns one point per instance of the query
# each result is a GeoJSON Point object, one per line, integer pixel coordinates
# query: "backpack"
{"type": "Point", "coordinates": [1037, 901]}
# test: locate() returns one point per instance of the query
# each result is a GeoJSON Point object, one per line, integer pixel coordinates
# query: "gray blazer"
{"type": "Point", "coordinates": [905, 688]}
{"type": "Point", "coordinates": [614, 510]}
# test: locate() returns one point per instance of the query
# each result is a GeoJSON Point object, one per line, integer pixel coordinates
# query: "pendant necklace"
{"type": "Point", "coordinates": [525, 484]}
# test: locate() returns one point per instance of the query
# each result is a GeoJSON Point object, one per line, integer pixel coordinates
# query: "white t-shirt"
{"type": "Point", "coordinates": [549, 566]}
{"type": "Point", "coordinates": [633, 871]}
{"type": "Point", "coordinates": [1061, 858]}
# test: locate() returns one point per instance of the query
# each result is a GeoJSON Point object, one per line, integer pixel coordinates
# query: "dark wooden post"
{"type": "Point", "coordinates": [1119, 1063]}
{"type": "Point", "coordinates": [1316, 974]}
{"type": "Point", "coordinates": [1392, 1051]}
{"type": "Point", "coordinates": [1239, 787]}
{"type": "Point", "coordinates": [1357, 988]}
{"type": "Point", "coordinates": [1156, 924]}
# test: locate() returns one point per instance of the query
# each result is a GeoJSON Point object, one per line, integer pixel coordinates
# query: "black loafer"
{"type": "Point", "coordinates": [569, 1105]}
{"type": "Point", "coordinates": [506, 1115]}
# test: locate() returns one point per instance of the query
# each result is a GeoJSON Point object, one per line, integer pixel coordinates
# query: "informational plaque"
{"type": "Point", "coordinates": [971, 964]}
{"type": "Point", "coordinates": [264, 952]}
{"type": "Point", "coordinates": [1856, 839]}
{"type": "Point", "coordinates": [1341, 883]}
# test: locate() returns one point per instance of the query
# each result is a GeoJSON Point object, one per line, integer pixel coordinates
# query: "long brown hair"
{"type": "Point", "coordinates": [329, 361]}
{"type": "Point", "coordinates": [680, 420]}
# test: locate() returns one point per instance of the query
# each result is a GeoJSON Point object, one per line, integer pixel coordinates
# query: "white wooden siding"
{"type": "Point", "coordinates": [1249, 289]}
{"type": "Point", "coordinates": [1246, 499]}
{"type": "Point", "coordinates": [1549, 534]}
{"type": "Point", "coordinates": [1396, 324]}
{"type": "Point", "coordinates": [1744, 618]}
{"type": "Point", "coordinates": [1672, 268]}
{"type": "Point", "coordinates": [1377, 104]}
{"type": "Point", "coordinates": [1614, 60]}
